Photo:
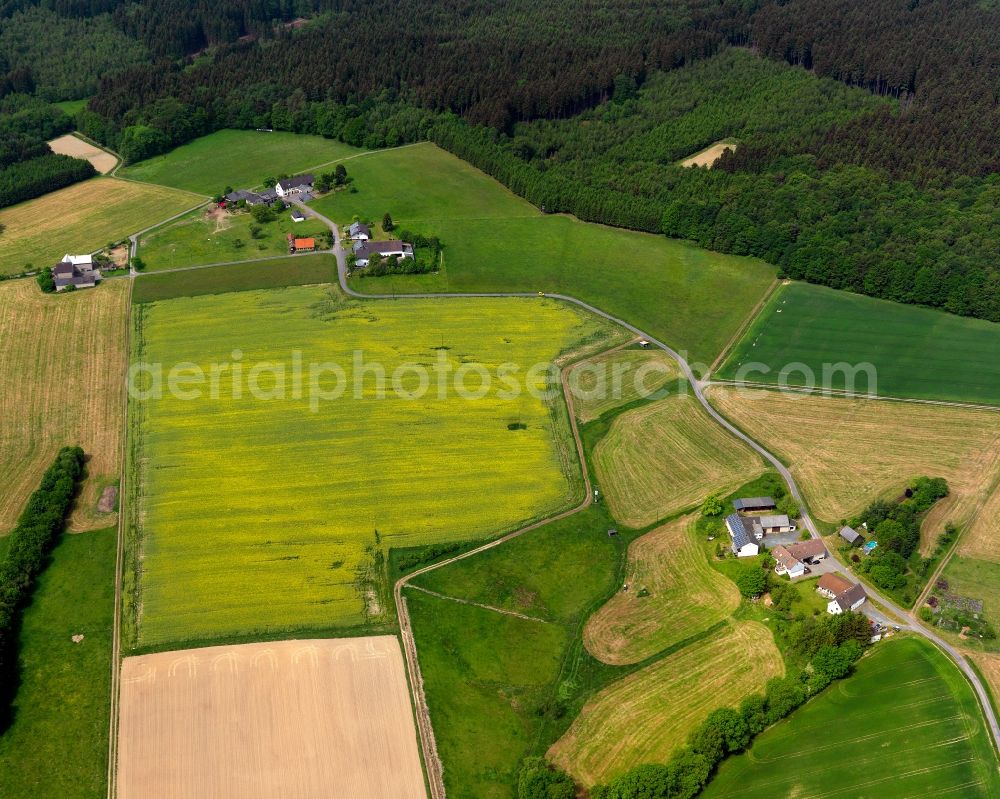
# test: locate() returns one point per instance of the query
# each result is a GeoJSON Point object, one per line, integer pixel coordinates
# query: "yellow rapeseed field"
{"type": "Point", "coordinates": [259, 514]}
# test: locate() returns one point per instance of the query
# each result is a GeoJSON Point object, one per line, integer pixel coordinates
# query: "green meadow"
{"type": "Point", "coordinates": [267, 513]}
{"type": "Point", "coordinates": [237, 158]}
{"type": "Point", "coordinates": [905, 724]}
{"type": "Point", "coordinates": [57, 746]}
{"type": "Point", "coordinates": [277, 273]}
{"type": "Point", "coordinates": [917, 352]}
{"type": "Point", "coordinates": [691, 298]}
{"type": "Point", "coordinates": [207, 236]}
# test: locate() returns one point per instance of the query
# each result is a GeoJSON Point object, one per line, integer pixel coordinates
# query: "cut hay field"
{"type": "Point", "coordinates": [498, 684]}
{"type": "Point", "coordinates": [905, 724]}
{"type": "Point", "coordinates": [613, 379]}
{"type": "Point", "coordinates": [646, 716]}
{"type": "Point", "coordinates": [917, 352]}
{"type": "Point", "coordinates": [710, 154]}
{"type": "Point", "coordinates": [305, 718]}
{"type": "Point", "coordinates": [81, 218]}
{"type": "Point", "coordinates": [76, 147]}
{"type": "Point", "coordinates": [302, 270]}
{"type": "Point", "coordinates": [237, 158]}
{"type": "Point", "coordinates": [274, 514]}
{"type": "Point", "coordinates": [693, 299]}
{"type": "Point", "coordinates": [63, 357]}
{"type": "Point", "coordinates": [666, 456]}
{"type": "Point", "coordinates": [212, 235]}
{"type": "Point", "coordinates": [57, 745]}
{"type": "Point", "coordinates": [845, 453]}
{"type": "Point", "coordinates": [685, 597]}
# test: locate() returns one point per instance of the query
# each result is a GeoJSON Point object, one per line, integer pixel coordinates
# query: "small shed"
{"type": "Point", "coordinates": [298, 216]}
{"type": "Point", "coordinates": [851, 536]}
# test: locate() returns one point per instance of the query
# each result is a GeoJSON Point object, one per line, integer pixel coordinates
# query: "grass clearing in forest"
{"type": "Point", "coordinates": [57, 746]}
{"type": "Point", "coordinates": [61, 373]}
{"type": "Point", "coordinates": [916, 352]}
{"type": "Point", "coordinates": [81, 218]}
{"type": "Point", "coordinates": [844, 453]}
{"type": "Point", "coordinates": [237, 158]}
{"type": "Point", "coordinates": [214, 235]}
{"type": "Point", "coordinates": [905, 724]}
{"type": "Point", "coordinates": [666, 456]}
{"type": "Point", "coordinates": [647, 716]}
{"type": "Point", "coordinates": [691, 298]}
{"type": "Point", "coordinates": [672, 594]}
{"type": "Point", "coordinates": [285, 525]}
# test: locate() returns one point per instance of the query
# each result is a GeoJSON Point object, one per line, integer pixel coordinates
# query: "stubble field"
{"type": "Point", "coordinates": [685, 596]}
{"type": "Point", "coordinates": [60, 384]}
{"type": "Point", "coordinates": [70, 145]}
{"type": "Point", "coordinates": [613, 379]}
{"type": "Point", "coordinates": [290, 718]}
{"type": "Point", "coordinates": [666, 456]}
{"type": "Point", "coordinates": [646, 716]}
{"type": "Point", "coordinates": [260, 514]}
{"type": "Point", "coordinates": [846, 453]}
{"type": "Point", "coordinates": [80, 219]}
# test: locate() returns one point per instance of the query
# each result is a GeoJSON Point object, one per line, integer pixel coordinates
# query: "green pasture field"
{"type": "Point", "coordinates": [691, 298]}
{"type": "Point", "coordinates": [613, 379]}
{"type": "Point", "coordinates": [72, 107]}
{"type": "Point", "coordinates": [299, 271]}
{"type": "Point", "coordinates": [497, 683]}
{"type": "Point", "coordinates": [212, 236]}
{"type": "Point", "coordinates": [918, 352]}
{"type": "Point", "coordinates": [905, 724]}
{"type": "Point", "coordinates": [237, 158]}
{"type": "Point", "coordinates": [975, 579]}
{"type": "Point", "coordinates": [81, 218]}
{"type": "Point", "coordinates": [266, 515]}
{"type": "Point", "coordinates": [57, 746]}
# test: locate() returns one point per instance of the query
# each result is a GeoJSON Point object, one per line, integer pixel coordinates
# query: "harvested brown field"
{"type": "Point", "coordinates": [646, 716]}
{"type": "Point", "coordinates": [315, 718]}
{"type": "Point", "coordinates": [709, 155]}
{"type": "Point", "coordinates": [685, 596]}
{"type": "Point", "coordinates": [847, 452]}
{"type": "Point", "coordinates": [82, 218]}
{"type": "Point", "coordinates": [73, 146]}
{"type": "Point", "coordinates": [62, 368]}
{"type": "Point", "coordinates": [669, 455]}
{"type": "Point", "coordinates": [616, 378]}
{"type": "Point", "coordinates": [989, 664]}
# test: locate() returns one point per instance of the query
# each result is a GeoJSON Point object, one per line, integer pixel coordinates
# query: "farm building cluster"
{"type": "Point", "coordinates": [77, 271]}
{"type": "Point", "coordinates": [299, 185]}
{"type": "Point", "coordinates": [364, 248]}
{"type": "Point", "coordinates": [748, 531]}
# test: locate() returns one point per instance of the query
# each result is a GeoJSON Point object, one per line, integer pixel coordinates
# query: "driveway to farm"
{"type": "Point", "coordinates": [698, 385]}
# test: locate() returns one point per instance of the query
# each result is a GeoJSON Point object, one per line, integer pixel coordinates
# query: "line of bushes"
{"type": "Point", "coordinates": [32, 539]}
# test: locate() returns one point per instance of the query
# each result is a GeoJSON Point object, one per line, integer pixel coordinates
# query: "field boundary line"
{"type": "Point", "coordinates": [470, 603]}
{"type": "Point", "coordinates": [134, 237]}
{"type": "Point", "coordinates": [837, 393]}
{"type": "Point", "coordinates": [112, 776]}
{"type": "Point", "coordinates": [745, 325]}
{"type": "Point", "coordinates": [367, 152]}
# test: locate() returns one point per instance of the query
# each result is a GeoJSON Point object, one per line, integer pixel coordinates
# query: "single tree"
{"type": "Point", "coordinates": [387, 224]}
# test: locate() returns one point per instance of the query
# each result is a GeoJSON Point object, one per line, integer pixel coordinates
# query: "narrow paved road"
{"type": "Point", "coordinates": [698, 386]}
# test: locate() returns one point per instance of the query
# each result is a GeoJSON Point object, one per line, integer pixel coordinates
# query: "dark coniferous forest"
{"type": "Point", "coordinates": [890, 189]}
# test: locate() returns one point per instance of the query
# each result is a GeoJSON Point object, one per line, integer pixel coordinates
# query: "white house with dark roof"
{"type": "Point", "coordinates": [294, 185]}
{"type": "Point", "coordinates": [851, 599]}
{"type": "Point", "coordinates": [742, 534]}
{"type": "Point", "coordinates": [364, 250]}
{"type": "Point", "coordinates": [77, 271]}
{"type": "Point", "coordinates": [786, 563]}
{"type": "Point", "coordinates": [359, 231]}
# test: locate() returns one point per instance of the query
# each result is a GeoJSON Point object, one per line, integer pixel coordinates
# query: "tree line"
{"type": "Point", "coordinates": [31, 540]}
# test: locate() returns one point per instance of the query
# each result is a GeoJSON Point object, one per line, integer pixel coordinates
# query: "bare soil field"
{"type": "Point", "coordinates": [295, 719]}
{"type": "Point", "coordinates": [77, 148]}
{"type": "Point", "coordinates": [644, 717]}
{"type": "Point", "coordinates": [847, 452]}
{"type": "Point", "coordinates": [62, 361]}
{"type": "Point", "coordinates": [709, 155]}
{"type": "Point", "coordinates": [664, 457]}
{"type": "Point", "coordinates": [685, 596]}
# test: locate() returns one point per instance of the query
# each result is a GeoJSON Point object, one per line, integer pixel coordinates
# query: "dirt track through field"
{"type": "Point", "coordinates": [60, 384]}
{"type": "Point", "coordinates": [291, 719]}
